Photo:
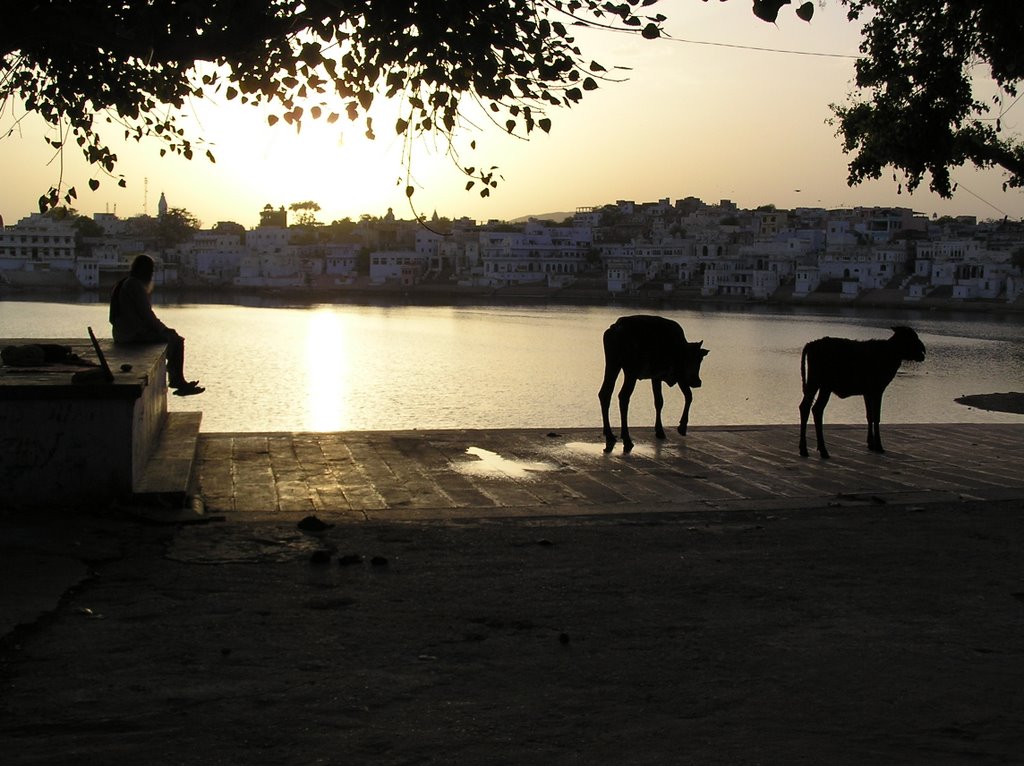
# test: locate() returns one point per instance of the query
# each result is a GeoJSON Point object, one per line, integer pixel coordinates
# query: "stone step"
{"type": "Point", "coordinates": [167, 478]}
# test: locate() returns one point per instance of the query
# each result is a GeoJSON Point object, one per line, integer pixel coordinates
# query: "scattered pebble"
{"type": "Point", "coordinates": [313, 524]}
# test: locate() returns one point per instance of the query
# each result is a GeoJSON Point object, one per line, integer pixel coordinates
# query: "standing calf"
{"type": "Point", "coordinates": [647, 347]}
{"type": "Point", "coordinates": [850, 368]}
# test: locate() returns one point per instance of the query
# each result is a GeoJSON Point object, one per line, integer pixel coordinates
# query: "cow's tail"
{"type": "Point", "coordinates": [803, 369]}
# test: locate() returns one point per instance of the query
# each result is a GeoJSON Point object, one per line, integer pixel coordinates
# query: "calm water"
{"type": "Point", "coordinates": [326, 368]}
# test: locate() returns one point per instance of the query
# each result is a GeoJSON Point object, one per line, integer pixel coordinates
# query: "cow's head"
{"type": "Point", "coordinates": [910, 346]}
{"type": "Point", "coordinates": [688, 366]}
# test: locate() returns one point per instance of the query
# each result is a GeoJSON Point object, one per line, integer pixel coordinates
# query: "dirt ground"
{"type": "Point", "coordinates": [829, 636]}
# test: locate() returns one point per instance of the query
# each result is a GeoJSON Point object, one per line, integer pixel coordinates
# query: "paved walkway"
{"type": "Point", "coordinates": [461, 474]}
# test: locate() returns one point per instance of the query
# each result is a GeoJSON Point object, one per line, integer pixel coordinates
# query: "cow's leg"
{"type": "Point", "coordinates": [605, 396]}
{"type": "Point", "coordinates": [685, 419]}
{"type": "Point", "coordinates": [628, 384]}
{"type": "Point", "coordinates": [818, 411]}
{"type": "Point", "coordinates": [805, 412]}
{"type": "Point", "coordinates": [873, 407]}
{"type": "Point", "coordinates": [659, 400]}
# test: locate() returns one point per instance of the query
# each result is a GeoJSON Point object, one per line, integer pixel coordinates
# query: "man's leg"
{"type": "Point", "coordinates": [176, 361]}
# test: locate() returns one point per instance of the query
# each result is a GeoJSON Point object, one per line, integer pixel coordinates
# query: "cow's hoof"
{"type": "Point", "coordinates": [824, 454]}
{"type": "Point", "coordinates": [627, 446]}
{"type": "Point", "coordinates": [660, 434]}
{"type": "Point", "coordinates": [681, 430]}
{"type": "Point", "coordinates": [609, 444]}
{"type": "Point", "coordinates": [804, 452]}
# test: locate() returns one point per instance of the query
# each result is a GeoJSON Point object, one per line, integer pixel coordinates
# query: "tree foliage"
{"type": "Point", "coordinates": [307, 211]}
{"type": "Point", "coordinates": [91, 67]}
{"type": "Point", "coordinates": [95, 69]}
{"type": "Point", "coordinates": [920, 107]}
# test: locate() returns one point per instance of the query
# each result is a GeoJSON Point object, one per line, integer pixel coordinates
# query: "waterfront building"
{"type": "Point", "coordinates": [397, 267]}
{"type": "Point", "coordinates": [212, 257]}
{"type": "Point", "coordinates": [341, 260]}
{"type": "Point", "coordinates": [270, 269]}
{"type": "Point", "coordinates": [536, 255]}
{"type": "Point", "coordinates": [39, 251]}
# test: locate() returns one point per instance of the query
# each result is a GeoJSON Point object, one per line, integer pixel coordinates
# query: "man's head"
{"type": "Point", "coordinates": [142, 268]}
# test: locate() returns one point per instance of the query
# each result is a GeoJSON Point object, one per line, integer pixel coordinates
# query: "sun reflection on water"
{"type": "Point", "coordinates": [326, 369]}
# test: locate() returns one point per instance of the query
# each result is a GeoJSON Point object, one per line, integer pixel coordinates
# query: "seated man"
{"type": "Point", "coordinates": [133, 321]}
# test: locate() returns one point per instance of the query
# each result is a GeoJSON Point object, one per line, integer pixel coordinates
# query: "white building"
{"type": "Point", "coordinates": [397, 267]}
{"type": "Point", "coordinates": [539, 254]}
{"type": "Point", "coordinates": [40, 250]}
{"type": "Point", "coordinates": [341, 261]}
{"type": "Point", "coordinates": [214, 257]}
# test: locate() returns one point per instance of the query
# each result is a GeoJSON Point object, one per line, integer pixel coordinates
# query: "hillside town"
{"type": "Point", "coordinates": [667, 251]}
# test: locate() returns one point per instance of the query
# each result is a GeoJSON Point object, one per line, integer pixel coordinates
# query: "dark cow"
{"type": "Point", "coordinates": [647, 347]}
{"type": "Point", "coordinates": [851, 368]}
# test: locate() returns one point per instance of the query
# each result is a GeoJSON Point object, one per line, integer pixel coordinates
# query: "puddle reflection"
{"type": "Point", "coordinates": [489, 463]}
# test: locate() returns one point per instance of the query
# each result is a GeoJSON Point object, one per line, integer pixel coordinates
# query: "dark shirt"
{"type": "Point", "coordinates": [131, 314]}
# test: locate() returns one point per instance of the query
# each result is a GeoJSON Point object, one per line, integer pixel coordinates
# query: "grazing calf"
{"type": "Point", "coordinates": [850, 368]}
{"type": "Point", "coordinates": [647, 347]}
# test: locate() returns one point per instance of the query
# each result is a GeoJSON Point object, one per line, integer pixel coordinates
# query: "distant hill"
{"type": "Point", "coordinates": [556, 217]}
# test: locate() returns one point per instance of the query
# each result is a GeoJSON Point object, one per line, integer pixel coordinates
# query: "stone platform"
{"type": "Point", "coordinates": [65, 444]}
{"type": "Point", "coordinates": [477, 474]}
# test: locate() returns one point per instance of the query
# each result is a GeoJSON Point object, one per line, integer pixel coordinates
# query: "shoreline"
{"type": "Point", "coordinates": [454, 295]}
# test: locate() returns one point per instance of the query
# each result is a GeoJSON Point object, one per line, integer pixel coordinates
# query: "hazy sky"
{"type": "Point", "coordinates": [695, 118]}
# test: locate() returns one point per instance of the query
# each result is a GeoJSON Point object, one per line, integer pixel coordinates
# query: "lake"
{"type": "Point", "coordinates": [359, 367]}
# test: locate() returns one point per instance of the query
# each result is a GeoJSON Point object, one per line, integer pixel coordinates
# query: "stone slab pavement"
{"type": "Point", "coordinates": [466, 474]}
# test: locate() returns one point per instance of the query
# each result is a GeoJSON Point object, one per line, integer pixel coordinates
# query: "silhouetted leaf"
{"type": "Point", "coordinates": [94, 184]}
{"type": "Point", "coordinates": [651, 31]}
{"type": "Point", "coordinates": [768, 10]}
{"type": "Point", "coordinates": [805, 11]}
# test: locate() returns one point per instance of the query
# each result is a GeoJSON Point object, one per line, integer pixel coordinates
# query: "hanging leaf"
{"type": "Point", "coordinates": [805, 11]}
{"type": "Point", "coordinates": [768, 10]}
{"type": "Point", "coordinates": [94, 184]}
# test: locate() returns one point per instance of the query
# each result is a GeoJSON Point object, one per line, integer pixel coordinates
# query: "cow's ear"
{"type": "Point", "coordinates": [705, 351]}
